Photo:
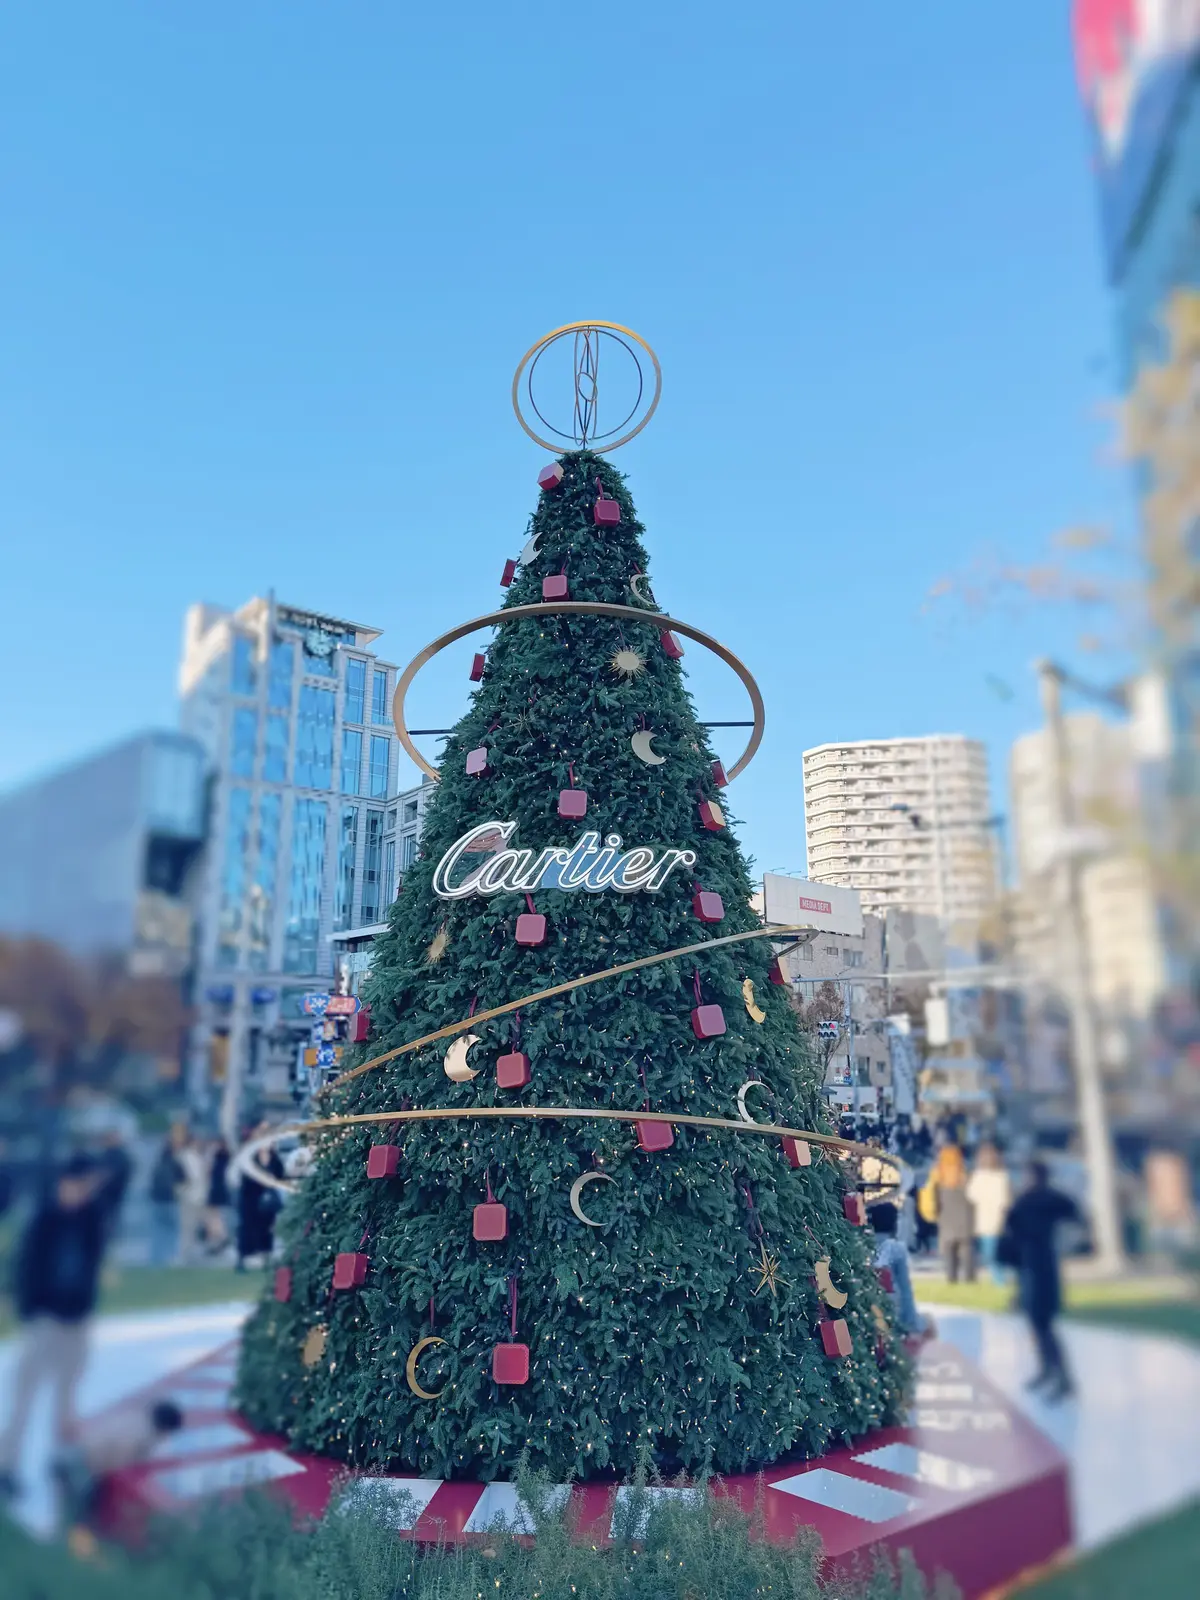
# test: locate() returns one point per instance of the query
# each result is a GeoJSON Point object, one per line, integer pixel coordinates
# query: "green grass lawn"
{"type": "Point", "coordinates": [1160, 1561]}
{"type": "Point", "coordinates": [164, 1288]}
{"type": "Point", "coordinates": [1160, 1305]}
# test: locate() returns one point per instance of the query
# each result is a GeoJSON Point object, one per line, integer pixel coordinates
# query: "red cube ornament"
{"type": "Point", "coordinates": [512, 1070]}
{"type": "Point", "coordinates": [555, 587]}
{"type": "Point", "coordinates": [509, 573]}
{"type": "Point", "coordinates": [350, 1269]}
{"type": "Point", "coordinates": [886, 1282]}
{"type": "Point", "coordinates": [718, 773]}
{"type": "Point", "coordinates": [490, 1221]}
{"type": "Point", "coordinates": [477, 763]}
{"type": "Point", "coordinates": [854, 1210]}
{"type": "Point", "coordinates": [712, 816]}
{"type": "Point", "coordinates": [360, 1026]}
{"type": "Point", "coordinates": [708, 1022]}
{"type": "Point", "coordinates": [798, 1152]}
{"type": "Point", "coordinates": [672, 648]}
{"type": "Point", "coordinates": [572, 803]}
{"type": "Point", "coordinates": [607, 513]}
{"type": "Point", "coordinates": [835, 1336]}
{"type": "Point", "coordinates": [283, 1284]}
{"type": "Point", "coordinates": [550, 477]}
{"type": "Point", "coordinates": [531, 928]}
{"type": "Point", "coordinates": [383, 1160]}
{"type": "Point", "coordinates": [653, 1136]}
{"type": "Point", "coordinates": [775, 972]}
{"type": "Point", "coordinates": [477, 666]}
{"type": "Point", "coordinates": [510, 1363]}
{"type": "Point", "coordinates": [708, 905]}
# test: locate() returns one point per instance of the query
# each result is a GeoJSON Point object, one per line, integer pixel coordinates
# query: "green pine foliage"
{"type": "Point", "coordinates": [250, 1550]}
{"type": "Point", "coordinates": [647, 1329]}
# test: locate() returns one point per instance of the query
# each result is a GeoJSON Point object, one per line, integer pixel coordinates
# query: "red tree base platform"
{"type": "Point", "coordinates": [968, 1484]}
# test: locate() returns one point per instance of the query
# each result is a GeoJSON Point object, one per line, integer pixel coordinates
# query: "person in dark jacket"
{"type": "Point", "coordinates": [258, 1207]}
{"type": "Point", "coordinates": [1029, 1242]}
{"type": "Point", "coordinates": [55, 1285]}
{"type": "Point", "coordinates": [116, 1166]}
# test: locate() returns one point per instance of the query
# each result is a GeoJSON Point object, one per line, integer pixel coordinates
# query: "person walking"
{"type": "Point", "coordinates": [955, 1220]}
{"type": "Point", "coordinates": [165, 1179]}
{"type": "Point", "coordinates": [1029, 1244]}
{"type": "Point", "coordinates": [891, 1258]}
{"type": "Point", "coordinates": [55, 1285]}
{"type": "Point", "coordinates": [989, 1189]}
{"type": "Point", "coordinates": [192, 1194]}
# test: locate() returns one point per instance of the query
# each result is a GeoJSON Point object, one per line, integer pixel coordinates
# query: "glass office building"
{"type": "Point", "coordinates": [293, 710]}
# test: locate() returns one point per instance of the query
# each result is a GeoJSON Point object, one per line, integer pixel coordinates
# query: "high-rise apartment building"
{"type": "Point", "coordinates": [904, 821]}
{"type": "Point", "coordinates": [293, 710]}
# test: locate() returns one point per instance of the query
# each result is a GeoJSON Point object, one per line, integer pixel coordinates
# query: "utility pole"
{"type": "Point", "coordinates": [1076, 984]}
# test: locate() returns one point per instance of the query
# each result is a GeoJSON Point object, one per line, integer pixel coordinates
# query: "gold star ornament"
{"type": "Point", "coordinates": [628, 664]}
{"type": "Point", "coordinates": [767, 1268]}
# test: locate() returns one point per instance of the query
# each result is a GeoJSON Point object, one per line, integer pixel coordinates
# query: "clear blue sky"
{"type": "Point", "coordinates": [267, 270]}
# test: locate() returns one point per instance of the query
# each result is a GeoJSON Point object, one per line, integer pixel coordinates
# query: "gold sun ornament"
{"type": "Point", "coordinates": [314, 1345]}
{"type": "Point", "coordinates": [767, 1267]}
{"type": "Point", "coordinates": [437, 946]}
{"type": "Point", "coordinates": [628, 664]}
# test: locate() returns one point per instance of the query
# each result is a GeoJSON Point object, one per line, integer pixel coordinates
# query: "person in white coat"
{"type": "Point", "coordinates": [989, 1190]}
{"type": "Point", "coordinates": [192, 1196]}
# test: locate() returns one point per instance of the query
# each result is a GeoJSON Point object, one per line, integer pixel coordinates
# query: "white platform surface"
{"type": "Point", "coordinates": [1132, 1434]}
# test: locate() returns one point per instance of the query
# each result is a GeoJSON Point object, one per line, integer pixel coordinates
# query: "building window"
{"type": "Point", "coordinates": [830, 949]}
{"type": "Point", "coordinates": [351, 760]}
{"type": "Point", "coordinates": [266, 866]}
{"type": "Point", "coordinates": [807, 953]}
{"type": "Point", "coordinates": [409, 846]}
{"type": "Point", "coordinates": [379, 767]}
{"type": "Point", "coordinates": [379, 705]}
{"type": "Point", "coordinates": [233, 877]}
{"type": "Point", "coordinates": [356, 689]}
{"type": "Point", "coordinates": [343, 905]}
{"type": "Point", "coordinates": [372, 861]}
{"type": "Point", "coordinates": [410, 811]}
{"type": "Point", "coordinates": [279, 680]}
{"type": "Point", "coordinates": [852, 958]}
{"type": "Point", "coordinates": [389, 872]}
{"type": "Point", "coordinates": [245, 676]}
{"type": "Point", "coordinates": [302, 933]}
{"type": "Point", "coordinates": [275, 749]}
{"type": "Point", "coordinates": [242, 741]}
{"type": "Point", "coordinates": [312, 767]}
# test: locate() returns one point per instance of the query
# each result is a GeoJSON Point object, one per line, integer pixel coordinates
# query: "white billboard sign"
{"type": "Point", "coordinates": [798, 902]}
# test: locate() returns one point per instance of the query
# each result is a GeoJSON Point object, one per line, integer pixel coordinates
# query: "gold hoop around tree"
{"type": "Point", "coordinates": [616, 330]}
{"type": "Point", "coordinates": [586, 608]}
{"type": "Point", "coordinates": [264, 1141]}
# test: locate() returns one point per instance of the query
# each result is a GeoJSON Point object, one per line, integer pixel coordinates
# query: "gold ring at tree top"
{"type": "Point", "coordinates": [585, 432]}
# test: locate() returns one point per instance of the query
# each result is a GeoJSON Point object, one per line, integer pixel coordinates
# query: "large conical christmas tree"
{"type": "Point", "coordinates": [688, 1321]}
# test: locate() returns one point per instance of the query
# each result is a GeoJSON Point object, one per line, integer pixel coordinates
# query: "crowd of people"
{"type": "Point", "coordinates": [200, 1209]}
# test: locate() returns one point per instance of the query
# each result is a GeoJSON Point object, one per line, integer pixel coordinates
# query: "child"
{"type": "Point", "coordinates": [106, 1445]}
{"type": "Point", "coordinates": [892, 1257]}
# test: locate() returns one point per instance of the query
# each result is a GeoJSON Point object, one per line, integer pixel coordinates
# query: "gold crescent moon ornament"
{"type": "Point", "coordinates": [455, 1064]}
{"type": "Point", "coordinates": [577, 1190]}
{"type": "Point", "coordinates": [755, 1011]}
{"type": "Point", "coordinates": [833, 1297]}
{"type": "Point", "coordinates": [634, 589]}
{"type": "Point", "coordinates": [314, 1345]}
{"type": "Point", "coordinates": [587, 338]}
{"type": "Point", "coordinates": [751, 1083]}
{"type": "Point", "coordinates": [410, 1367]}
{"type": "Point", "coordinates": [644, 749]}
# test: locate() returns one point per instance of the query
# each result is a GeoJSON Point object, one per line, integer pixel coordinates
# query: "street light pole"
{"type": "Point", "coordinates": [1093, 1113]}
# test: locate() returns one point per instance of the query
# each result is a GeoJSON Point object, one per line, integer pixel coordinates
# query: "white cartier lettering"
{"type": "Point", "coordinates": [586, 865]}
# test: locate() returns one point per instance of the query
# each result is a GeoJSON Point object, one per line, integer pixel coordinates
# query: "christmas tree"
{"type": "Point", "coordinates": [490, 1304]}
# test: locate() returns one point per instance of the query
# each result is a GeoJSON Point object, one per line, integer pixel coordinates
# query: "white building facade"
{"type": "Point", "coordinates": [293, 710]}
{"type": "Point", "coordinates": [904, 821]}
